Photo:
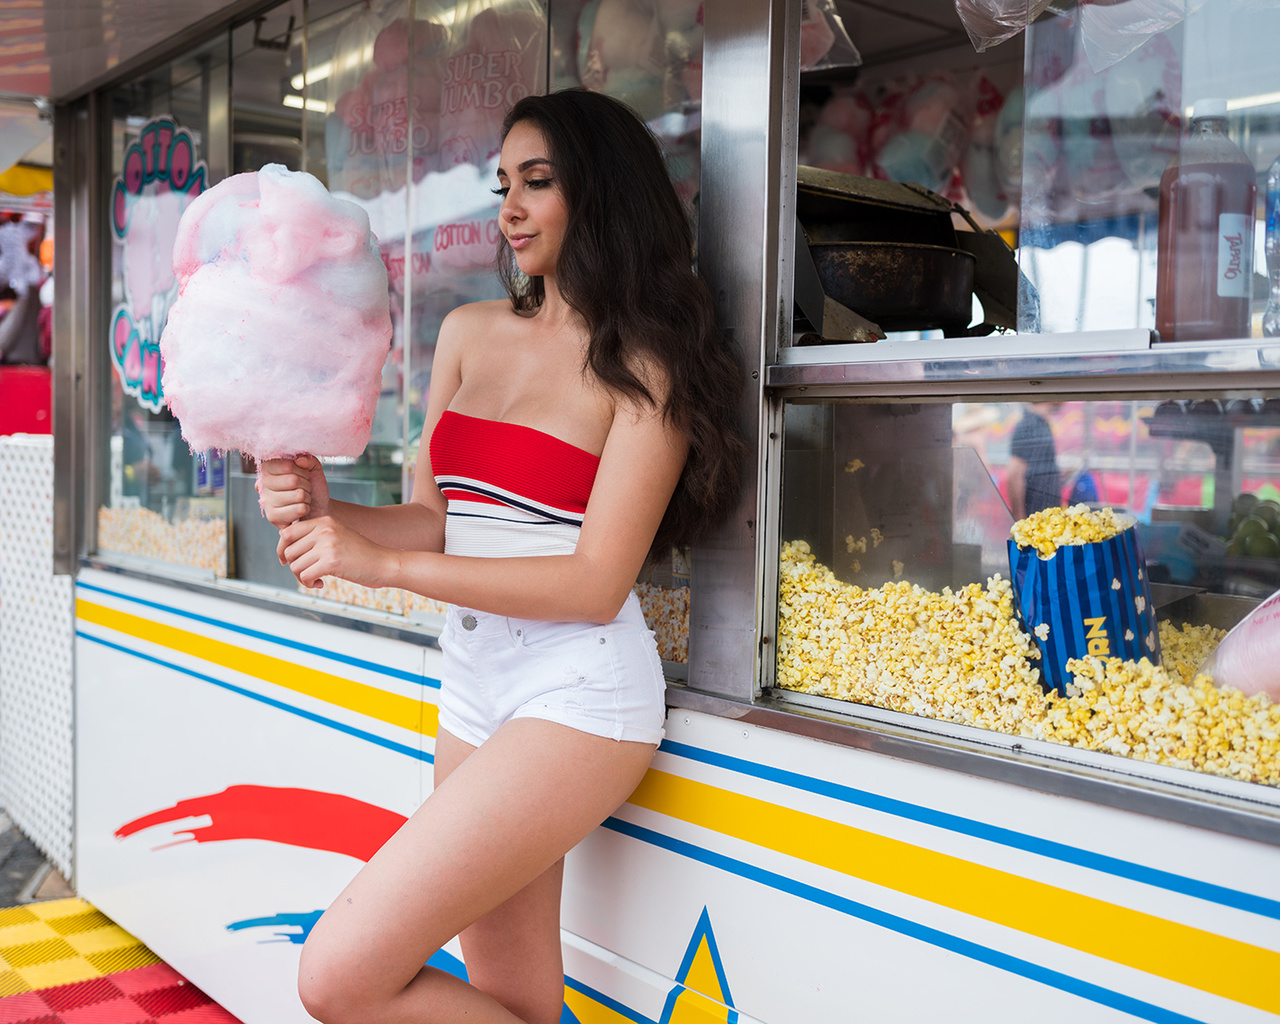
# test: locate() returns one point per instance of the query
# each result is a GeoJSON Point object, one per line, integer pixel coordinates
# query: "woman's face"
{"type": "Point", "coordinates": [534, 214]}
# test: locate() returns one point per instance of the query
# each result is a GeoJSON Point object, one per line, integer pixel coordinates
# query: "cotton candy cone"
{"type": "Point", "coordinates": [276, 343]}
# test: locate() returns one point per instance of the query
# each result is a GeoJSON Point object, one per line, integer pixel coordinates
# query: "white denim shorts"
{"type": "Point", "coordinates": [604, 680]}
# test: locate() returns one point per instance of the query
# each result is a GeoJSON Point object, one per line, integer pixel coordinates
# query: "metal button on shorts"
{"type": "Point", "coordinates": [468, 622]}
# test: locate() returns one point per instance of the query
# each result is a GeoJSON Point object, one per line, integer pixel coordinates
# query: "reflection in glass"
{"type": "Point", "coordinates": [158, 500]}
{"type": "Point", "coordinates": [1108, 109]}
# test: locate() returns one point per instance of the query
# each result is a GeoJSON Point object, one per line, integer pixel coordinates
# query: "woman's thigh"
{"type": "Point", "coordinates": [502, 816]}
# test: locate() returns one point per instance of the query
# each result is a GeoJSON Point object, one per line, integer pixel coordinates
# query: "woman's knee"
{"type": "Point", "coordinates": [328, 990]}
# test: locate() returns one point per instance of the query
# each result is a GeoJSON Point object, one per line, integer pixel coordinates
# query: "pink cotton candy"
{"type": "Point", "coordinates": [276, 343]}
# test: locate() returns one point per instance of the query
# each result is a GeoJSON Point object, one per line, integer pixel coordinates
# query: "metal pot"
{"type": "Point", "coordinates": [902, 286]}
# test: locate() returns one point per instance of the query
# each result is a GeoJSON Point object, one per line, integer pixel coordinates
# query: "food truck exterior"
{"type": "Point", "coordinates": [802, 849]}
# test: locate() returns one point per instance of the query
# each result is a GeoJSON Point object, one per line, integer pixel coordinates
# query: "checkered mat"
{"type": "Point", "coordinates": [63, 962]}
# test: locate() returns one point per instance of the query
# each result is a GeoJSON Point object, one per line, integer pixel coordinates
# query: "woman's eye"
{"type": "Point", "coordinates": [537, 182]}
{"type": "Point", "coordinates": [500, 191]}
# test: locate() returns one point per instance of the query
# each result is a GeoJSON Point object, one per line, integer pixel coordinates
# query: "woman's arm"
{"type": "Point", "coordinates": [639, 468]}
{"type": "Point", "coordinates": [1015, 475]}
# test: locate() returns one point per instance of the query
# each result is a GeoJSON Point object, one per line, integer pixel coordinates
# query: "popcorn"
{"type": "Point", "coordinates": [897, 569]}
{"type": "Point", "coordinates": [876, 537]}
{"type": "Point", "coordinates": [957, 656]}
{"type": "Point", "coordinates": [1042, 631]}
{"type": "Point", "coordinates": [198, 542]}
{"type": "Point", "coordinates": [667, 613]}
{"type": "Point", "coordinates": [385, 599]}
{"type": "Point", "coordinates": [962, 657]}
{"type": "Point", "coordinates": [1146, 712]}
{"type": "Point", "coordinates": [1053, 528]}
{"type": "Point", "coordinates": [853, 465]}
{"type": "Point", "coordinates": [1183, 650]}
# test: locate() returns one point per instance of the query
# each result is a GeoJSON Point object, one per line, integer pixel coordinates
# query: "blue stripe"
{"type": "Point", "coordinates": [1207, 891]}
{"type": "Point", "coordinates": [619, 1008]}
{"type": "Point", "coordinates": [1071, 562]}
{"type": "Point", "coordinates": [399, 748]}
{"type": "Point", "coordinates": [368, 666]}
{"type": "Point", "coordinates": [953, 943]}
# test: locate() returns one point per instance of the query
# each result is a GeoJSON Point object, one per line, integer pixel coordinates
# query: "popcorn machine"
{"type": "Point", "coordinates": [862, 748]}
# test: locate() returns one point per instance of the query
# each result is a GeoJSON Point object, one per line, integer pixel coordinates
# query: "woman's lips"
{"type": "Point", "coordinates": [519, 241]}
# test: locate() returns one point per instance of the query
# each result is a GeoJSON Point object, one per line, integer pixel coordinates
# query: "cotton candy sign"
{"type": "Point", "coordinates": [276, 343]}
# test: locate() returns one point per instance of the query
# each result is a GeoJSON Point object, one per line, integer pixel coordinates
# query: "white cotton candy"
{"type": "Point", "coordinates": [276, 343]}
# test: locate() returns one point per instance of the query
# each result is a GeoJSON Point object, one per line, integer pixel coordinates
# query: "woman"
{"type": "Point", "coordinates": [576, 430]}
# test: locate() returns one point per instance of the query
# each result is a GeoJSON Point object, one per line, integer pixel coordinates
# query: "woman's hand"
{"type": "Point", "coordinates": [292, 489]}
{"type": "Point", "coordinates": [321, 546]}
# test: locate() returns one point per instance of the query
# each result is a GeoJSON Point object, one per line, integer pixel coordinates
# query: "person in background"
{"type": "Point", "coordinates": [20, 278]}
{"type": "Point", "coordinates": [1032, 475]}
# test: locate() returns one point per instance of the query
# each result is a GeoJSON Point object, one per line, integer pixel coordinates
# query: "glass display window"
{"type": "Point", "coordinates": [1146, 149]}
{"type": "Point", "coordinates": [160, 501]}
{"type": "Point", "coordinates": [649, 56]}
{"type": "Point", "coordinates": [1146, 534]}
{"type": "Point", "coordinates": [397, 108]}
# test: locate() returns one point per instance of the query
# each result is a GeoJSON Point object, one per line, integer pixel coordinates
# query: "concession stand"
{"type": "Point", "coordinates": [945, 240]}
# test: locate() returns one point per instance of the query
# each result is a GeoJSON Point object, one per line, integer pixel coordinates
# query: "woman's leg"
{"type": "Point", "coordinates": [502, 819]}
{"type": "Point", "coordinates": [513, 952]}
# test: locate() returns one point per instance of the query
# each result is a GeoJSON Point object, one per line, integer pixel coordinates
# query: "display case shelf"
{"type": "Point", "coordinates": [1093, 362]}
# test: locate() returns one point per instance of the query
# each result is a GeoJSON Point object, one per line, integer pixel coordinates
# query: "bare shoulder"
{"type": "Point", "coordinates": [464, 320]}
{"type": "Point", "coordinates": [466, 328]}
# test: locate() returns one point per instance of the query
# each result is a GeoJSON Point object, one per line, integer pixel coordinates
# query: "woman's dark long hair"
{"type": "Point", "coordinates": [626, 267]}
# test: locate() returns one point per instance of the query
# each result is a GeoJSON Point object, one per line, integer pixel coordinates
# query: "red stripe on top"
{"type": "Point", "coordinates": [516, 458]}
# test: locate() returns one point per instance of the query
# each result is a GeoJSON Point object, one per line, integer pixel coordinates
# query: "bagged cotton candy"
{"type": "Point", "coordinates": [1249, 656]}
{"type": "Point", "coordinates": [276, 343]}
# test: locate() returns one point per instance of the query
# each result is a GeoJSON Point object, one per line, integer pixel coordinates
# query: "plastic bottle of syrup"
{"type": "Point", "coordinates": [1271, 318]}
{"type": "Point", "coordinates": [1204, 260]}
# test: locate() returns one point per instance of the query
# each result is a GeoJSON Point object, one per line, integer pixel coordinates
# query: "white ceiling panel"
{"type": "Point", "coordinates": [55, 48]}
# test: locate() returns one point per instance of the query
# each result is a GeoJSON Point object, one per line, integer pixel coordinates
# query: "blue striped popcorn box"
{"type": "Point", "coordinates": [1085, 599]}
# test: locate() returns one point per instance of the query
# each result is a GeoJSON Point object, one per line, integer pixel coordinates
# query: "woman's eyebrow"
{"type": "Point", "coordinates": [526, 164]}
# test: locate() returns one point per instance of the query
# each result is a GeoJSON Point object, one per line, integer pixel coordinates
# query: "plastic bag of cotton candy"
{"type": "Point", "coordinates": [1248, 658]}
{"type": "Point", "coordinates": [276, 342]}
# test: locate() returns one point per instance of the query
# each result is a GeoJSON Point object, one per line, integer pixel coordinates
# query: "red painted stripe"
{"type": "Point", "coordinates": [516, 458]}
{"type": "Point", "coordinates": [295, 817]}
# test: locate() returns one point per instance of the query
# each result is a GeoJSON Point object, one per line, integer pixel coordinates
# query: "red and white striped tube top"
{"type": "Point", "coordinates": [511, 490]}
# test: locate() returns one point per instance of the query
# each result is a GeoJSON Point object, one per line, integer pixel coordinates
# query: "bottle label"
{"type": "Point", "coordinates": [1235, 255]}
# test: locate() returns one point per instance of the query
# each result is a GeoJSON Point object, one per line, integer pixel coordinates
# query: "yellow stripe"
{"type": "Point", "coordinates": [588, 1011]}
{"type": "Point", "coordinates": [392, 708]}
{"type": "Point", "coordinates": [1191, 956]}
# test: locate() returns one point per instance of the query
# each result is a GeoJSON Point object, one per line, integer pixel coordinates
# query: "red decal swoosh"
{"type": "Point", "coordinates": [294, 817]}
